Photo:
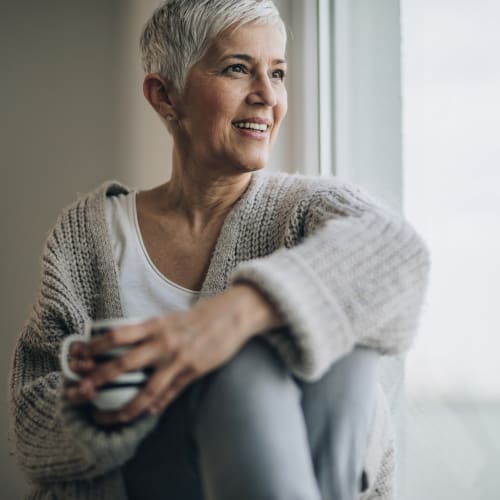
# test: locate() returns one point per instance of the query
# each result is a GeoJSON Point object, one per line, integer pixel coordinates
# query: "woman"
{"type": "Point", "coordinates": [269, 295]}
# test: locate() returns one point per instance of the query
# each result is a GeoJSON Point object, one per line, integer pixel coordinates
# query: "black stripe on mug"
{"type": "Point", "coordinates": [120, 385]}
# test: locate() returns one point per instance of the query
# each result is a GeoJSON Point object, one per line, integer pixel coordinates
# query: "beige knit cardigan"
{"type": "Point", "coordinates": [341, 269]}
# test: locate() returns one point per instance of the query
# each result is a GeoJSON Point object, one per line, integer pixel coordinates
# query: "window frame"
{"type": "Point", "coordinates": [361, 89]}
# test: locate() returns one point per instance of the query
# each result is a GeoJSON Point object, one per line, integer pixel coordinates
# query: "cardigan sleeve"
{"type": "Point", "coordinates": [55, 441]}
{"type": "Point", "coordinates": [357, 277]}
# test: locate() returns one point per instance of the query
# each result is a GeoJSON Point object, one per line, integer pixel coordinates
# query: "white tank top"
{"type": "Point", "coordinates": [145, 291]}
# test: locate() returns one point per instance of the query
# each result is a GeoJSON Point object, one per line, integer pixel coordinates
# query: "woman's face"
{"type": "Point", "coordinates": [234, 100]}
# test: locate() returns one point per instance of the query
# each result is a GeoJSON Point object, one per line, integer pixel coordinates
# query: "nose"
{"type": "Point", "coordinates": [262, 91]}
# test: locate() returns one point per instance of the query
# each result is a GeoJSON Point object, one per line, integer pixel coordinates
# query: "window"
{"type": "Point", "coordinates": [415, 114]}
{"type": "Point", "coordinates": [451, 193]}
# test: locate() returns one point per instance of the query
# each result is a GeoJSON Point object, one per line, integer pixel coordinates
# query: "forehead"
{"type": "Point", "coordinates": [257, 40]}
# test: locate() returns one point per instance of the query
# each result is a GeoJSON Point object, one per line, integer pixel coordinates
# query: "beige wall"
{"type": "Point", "coordinates": [73, 115]}
{"type": "Point", "coordinates": [58, 138]}
{"type": "Point", "coordinates": [144, 149]}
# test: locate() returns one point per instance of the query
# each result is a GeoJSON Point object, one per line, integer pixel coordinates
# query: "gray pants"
{"type": "Point", "coordinates": [251, 431]}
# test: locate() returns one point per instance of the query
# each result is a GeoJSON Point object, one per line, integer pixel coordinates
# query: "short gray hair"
{"type": "Point", "coordinates": [179, 32]}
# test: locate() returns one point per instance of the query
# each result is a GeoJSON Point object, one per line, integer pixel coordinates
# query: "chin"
{"type": "Point", "coordinates": [252, 163]}
{"type": "Point", "coordinates": [251, 166]}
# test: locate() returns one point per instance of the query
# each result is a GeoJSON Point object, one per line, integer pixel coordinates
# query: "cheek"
{"type": "Point", "coordinates": [283, 104]}
{"type": "Point", "coordinates": [218, 110]}
{"type": "Point", "coordinates": [280, 111]}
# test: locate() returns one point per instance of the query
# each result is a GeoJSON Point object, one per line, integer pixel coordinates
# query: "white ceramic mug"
{"type": "Point", "coordinates": [122, 389]}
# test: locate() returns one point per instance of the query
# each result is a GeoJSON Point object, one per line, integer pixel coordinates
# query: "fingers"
{"type": "Point", "coordinates": [79, 350]}
{"type": "Point", "coordinates": [162, 344]}
{"type": "Point", "coordinates": [106, 418]}
{"type": "Point", "coordinates": [80, 360]}
{"type": "Point", "coordinates": [81, 366]}
{"type": "Point", "coordinates": [125, 335]}
{"type": "Point", "coordinates": [176, 387]}
{"type": "Point", "coordinates": [135, 359]}
{"type": "Point", "coordinates": [78, 395]}
{"type": "Point", "coordinates": [155, 387]}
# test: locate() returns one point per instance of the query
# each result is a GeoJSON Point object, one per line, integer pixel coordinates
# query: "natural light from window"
{"type": "Point", "coordinates": [451, 150]}
{"type": "Point", "coordinates": [451, 88]}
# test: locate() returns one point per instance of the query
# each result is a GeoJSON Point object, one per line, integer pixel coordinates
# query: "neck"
{"type": "Point", "coordinates": [202, 197]}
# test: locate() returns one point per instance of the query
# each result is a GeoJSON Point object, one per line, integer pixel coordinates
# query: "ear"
{"type": "Point", "coordinates": [160, 93]}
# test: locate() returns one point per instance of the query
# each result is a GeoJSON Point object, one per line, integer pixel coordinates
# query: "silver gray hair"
{"type": "Point", "coordinates": [179, 32]}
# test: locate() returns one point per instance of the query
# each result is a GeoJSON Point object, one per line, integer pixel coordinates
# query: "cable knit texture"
{"type": "Point", "coordinates": [340, 268]}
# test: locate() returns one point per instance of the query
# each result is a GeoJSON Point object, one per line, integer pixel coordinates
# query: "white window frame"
{"type": "Point", "coordinates": [367, 106]}
{"type": "Point", "coordinates": [345, 92]}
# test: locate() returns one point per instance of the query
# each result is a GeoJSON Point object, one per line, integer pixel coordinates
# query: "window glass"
{"type": "Point", "coordinates": [451, 101]}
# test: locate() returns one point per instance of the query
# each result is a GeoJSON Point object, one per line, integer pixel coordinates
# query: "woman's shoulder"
{"type": "Point", "coordinates": [95, 196]}
{"type": "Point", "coordinates": [302, 182]}
{"type": "Point", "coordinates": [89, 205]}
{"type": "Point", "coordinates": [83, 217]}
{"type": "Point", "coordinates": [315, 188]}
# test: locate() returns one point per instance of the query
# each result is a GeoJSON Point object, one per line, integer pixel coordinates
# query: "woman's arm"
{"type": "Point", "coordinates": [54, 440]}
{"type": "Point", "coordinates": [358, 277]}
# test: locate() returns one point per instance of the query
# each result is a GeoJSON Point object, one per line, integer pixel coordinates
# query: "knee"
{"type": "Point", "coordinates": [255, 372]}
{"type": "Point", "coordinates": [255, 365]}
{"type": "Point", "coordinates": [346, 393]}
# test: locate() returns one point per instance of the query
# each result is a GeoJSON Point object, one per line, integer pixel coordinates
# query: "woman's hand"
{"type": "Point", "coordinates": [82, 364]}
{"type": "Point", "coordinates": [179, 348]}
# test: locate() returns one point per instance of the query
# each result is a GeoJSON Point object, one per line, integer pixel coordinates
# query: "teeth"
{"type": "Point", "coordinates": [262, 127]}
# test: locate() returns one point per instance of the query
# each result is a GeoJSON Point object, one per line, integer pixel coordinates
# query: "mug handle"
{"type": "Point", "coordinates": [64, 354]}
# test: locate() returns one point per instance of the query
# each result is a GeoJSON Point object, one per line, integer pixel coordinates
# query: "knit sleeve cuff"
{"type": "Point", "coordinates": [104, 449]}
{"type": "Point", "coordinates": [316, 335]}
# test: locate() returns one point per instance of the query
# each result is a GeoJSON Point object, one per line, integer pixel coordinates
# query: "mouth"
{"type": "Point", "coordinates": [258, 125]}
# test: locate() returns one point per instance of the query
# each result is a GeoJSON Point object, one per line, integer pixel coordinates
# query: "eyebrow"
{"type": "Point", "coordinates": [249, 58]}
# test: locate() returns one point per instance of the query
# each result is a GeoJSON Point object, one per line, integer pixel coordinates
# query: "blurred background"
{"type": "Point", "coordinates": [401, 97]}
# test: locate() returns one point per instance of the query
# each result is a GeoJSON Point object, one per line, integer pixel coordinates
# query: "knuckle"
{"type": "Point", "coordinates": [121, 363]}
{"type": "Point", "coordinates": [153, 387]}
{"type": "Point", "coordinates": [162, 401]}
{"type": "Point", "coordinates": [177, 388]}
{"type": "Point", "coordinates": [189, 366]}
{"type": "Point", "coordinates": [165, 341]}
{"type": "Point", "coordinates": [174, 386]}
{"type": "Point", "coordinates": [112, 337]}
{"type": "Point", "coordinates": [156, 323]}
{"type": "Point", "coordinates": [184, 358]}
{"type": "Point", "coordinates": [149, 392]}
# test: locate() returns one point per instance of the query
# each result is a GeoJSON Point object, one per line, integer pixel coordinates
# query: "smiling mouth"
{"type": "Point", "coordinates": [258, 127]}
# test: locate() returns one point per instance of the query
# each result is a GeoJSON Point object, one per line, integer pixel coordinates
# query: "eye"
{"type": "Point", "coordinates": [235, 68]}
{"type": "Point", "coordinates": [279, 74]}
